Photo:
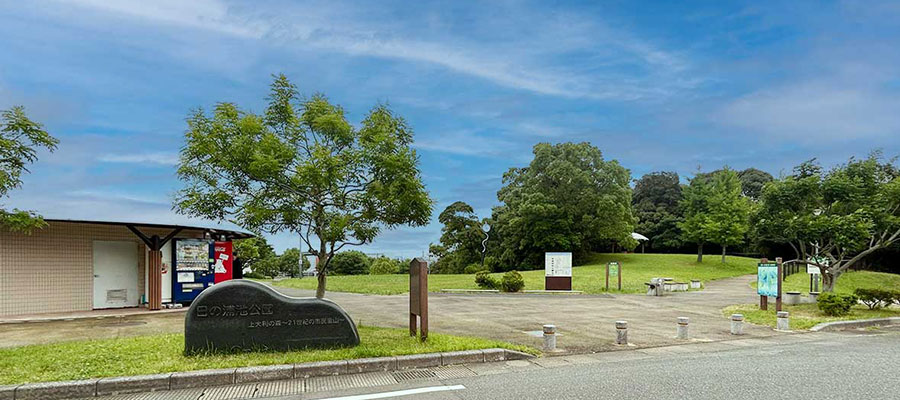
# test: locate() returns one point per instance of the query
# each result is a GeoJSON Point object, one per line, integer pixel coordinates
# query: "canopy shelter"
{"type": "Point", "coordinates": [640, 238]}
{"type": "Point", "coordinates": [155, 243]}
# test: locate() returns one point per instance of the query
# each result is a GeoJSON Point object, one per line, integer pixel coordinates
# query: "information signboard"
{"type": "Point", "coordinates": [613, 268]}
{"type": "Point", "coordinates": [558, 264]}
{"type": "Point", "coordinates": [767, 279]}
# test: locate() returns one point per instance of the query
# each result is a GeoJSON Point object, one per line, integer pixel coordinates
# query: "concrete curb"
{"type": "Point", "coordinates": [860, 323]}
{"type": "Point", "coordinates": [221, 377]}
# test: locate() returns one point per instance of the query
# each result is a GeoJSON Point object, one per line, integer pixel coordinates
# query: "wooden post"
{"type": "Point", "coordinates": [418, 298]}
{"type": "Point", "coordinates": [607, 277]}
{"type": "Point", "coordinates": [620, 275]}
{"type": "Point", "coordinates": [780, 270]}
{"type": "Point", "coordinates": [154, 280]}
{"type": "Point", "coordinates": [763, 300]}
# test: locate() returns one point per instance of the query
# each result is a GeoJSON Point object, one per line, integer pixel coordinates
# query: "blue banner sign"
{"type": "Point", "coordinates": [767, 279]}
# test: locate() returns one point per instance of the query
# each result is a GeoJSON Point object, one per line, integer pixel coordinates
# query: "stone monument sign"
{"type": "Point", "coordinates": [241, 315]}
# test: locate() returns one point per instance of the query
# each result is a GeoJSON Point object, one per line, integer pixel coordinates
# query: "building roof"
{"type": "Point", "coordinates": [230, 233]}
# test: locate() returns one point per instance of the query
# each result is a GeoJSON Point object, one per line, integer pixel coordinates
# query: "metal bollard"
{"type": "Point", "coordinates": [737, 324]}
{"type": "Point", "coordinates": [682, 331]}
{"type": "Point", "coordinates": [621, 332]}
{"type": "Point", "coordinates": [549, 337]}
{"type": "Point", "coordinates": [782, 323]}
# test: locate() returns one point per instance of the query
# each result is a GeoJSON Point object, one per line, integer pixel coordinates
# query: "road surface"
{"type": "Point", "coordinates": [848, 365]}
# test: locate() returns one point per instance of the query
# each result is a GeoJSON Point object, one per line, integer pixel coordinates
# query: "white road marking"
{"type": "Point", "coordinates": [399, 393]}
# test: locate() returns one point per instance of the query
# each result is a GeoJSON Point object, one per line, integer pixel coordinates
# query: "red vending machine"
{"type": "Point", "coordinates": [223, 261]}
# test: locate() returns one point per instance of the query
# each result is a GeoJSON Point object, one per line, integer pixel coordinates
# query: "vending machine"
{"type": "Point", "coordinates": [223, 261]}
{"type": "Point", "coordinates": [193, 264]}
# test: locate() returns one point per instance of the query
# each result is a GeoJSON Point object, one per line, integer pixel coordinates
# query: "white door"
{"type": "Point", "coordinates": [115, 274]}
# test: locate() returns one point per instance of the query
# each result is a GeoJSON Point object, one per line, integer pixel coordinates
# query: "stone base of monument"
{"type": "Point", "coordinates": [241, 315]}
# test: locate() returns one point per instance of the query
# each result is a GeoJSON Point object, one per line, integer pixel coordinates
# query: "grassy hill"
{"type": "Point", "coordinates": [636, 269]}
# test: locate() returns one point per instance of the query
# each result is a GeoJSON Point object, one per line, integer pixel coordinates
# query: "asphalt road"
{"type": "Point", "coordinates": [849, 365]}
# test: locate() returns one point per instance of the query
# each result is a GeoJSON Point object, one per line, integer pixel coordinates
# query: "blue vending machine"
{"type": "Point", "coordinates": [193, 264]}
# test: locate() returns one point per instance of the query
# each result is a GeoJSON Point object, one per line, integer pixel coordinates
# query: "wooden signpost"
{"type": "Point", "coordinates": [768, 282]}
{"type": "Point", "coordinates": [614, 268]}
{"type": "Point", "coordinates": [418, 298]}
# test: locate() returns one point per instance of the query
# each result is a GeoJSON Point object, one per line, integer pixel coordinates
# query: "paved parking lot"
{"type": "Point", "coordinates": [585, 322]}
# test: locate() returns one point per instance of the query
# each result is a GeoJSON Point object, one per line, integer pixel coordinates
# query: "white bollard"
{"type": "Point", "coordinates": [737, 324]}
{"type": "Point", "coordinates": [682, 331]}
{"type": "Point", "coordinates": [695, 284]}
{"type": "Point", "coordinates": [782, 323]}
{"type": "Point", "coordinates": [549, 337]}
{"type": "Point", "coordinates": [621, 332]}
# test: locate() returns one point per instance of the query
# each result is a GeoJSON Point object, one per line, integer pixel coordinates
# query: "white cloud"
{"type": "Point", "coordinates": [518, 63]}
{"type": "Point", "coordinates": [467, 143]}
{"type": "Point", "coordinates": [210, 15]}
{"type": "Point", "coordinates": [160, 158]}
{"type": "Point", "coordinates": [820, 110]}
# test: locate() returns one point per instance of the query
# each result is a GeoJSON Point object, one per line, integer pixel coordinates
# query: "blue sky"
{"type": "Point", "coordinates": [655, 85]}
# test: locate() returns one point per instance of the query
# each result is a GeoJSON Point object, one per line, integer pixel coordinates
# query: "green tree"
{"type": "Point", "coordinates": [289, 262]}
{"type": "Point", "coordinates": [252, 250]}
{"type": "Point", "coordinates": [384, 266]}
{"type": "Point", "coordinates": [656, 200]}
{"type": "Point", "coordinates": [20, 139]}
{"type": "Point", "coordinates": [351, 262]}
{"type": "Point", "coordinates": [841, 215]}
{"type": "Point", "coordinates": [714, 211]}
{"type": "Point", "coordinates": [302, 167]}
{"type": "Point", "coordinates": [568, 199]}
{"type": "Point", "coordinates": [460, 242]}
{"type": "Point", "coordinates": [753, 181]}
{"type": "Point", "coordinates": [728, 211]}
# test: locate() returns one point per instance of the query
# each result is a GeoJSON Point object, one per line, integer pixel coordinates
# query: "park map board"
{"type": "Point", "coordinates": [767, 279]}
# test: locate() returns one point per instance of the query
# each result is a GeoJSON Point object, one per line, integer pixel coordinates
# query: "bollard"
{"type": "Point", "coordinates": [682, 331]}
{"type": "Point", "coordinates": [549, 337]}
{"type": "Point", "coordinates": [737, 324]}
{"type": "Point", "coordinates": [621, 332]}
{"type": "Point", "coordinates": [782, 323]}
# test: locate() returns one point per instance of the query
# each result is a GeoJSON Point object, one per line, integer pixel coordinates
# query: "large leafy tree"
{"type": "Point", "coordinates": [752, 182]}
{"type": "Point", "coordinates": [567, 199]}
{"type": "Point", "coordinates": [656, 204]}
{"type": "Point", "coordinates": [20, 140]}
{"type": "Point", "coordinates": [715, 211]}
{"type": "Point", "coordinates": [839, 216]}
{"type": "Point", "coordinates": [301, 167]}
{"type": "Point", "coordinates": [460, 242]}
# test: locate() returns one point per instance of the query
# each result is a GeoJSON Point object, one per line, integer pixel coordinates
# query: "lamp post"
{"type": "Point", "coordinates": [485, 228]}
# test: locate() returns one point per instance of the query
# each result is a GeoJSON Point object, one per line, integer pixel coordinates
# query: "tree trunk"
{"type": "Point", "coordinates": [828, 279]}
{"type": "Point", "coordinates": [700, 253]}
{"type": "Point", "coordinates": [320, 287]}
{"type": "Point", "coordinates": [723, 254]}
{"type": "Point", "coordinates": [322, 272]}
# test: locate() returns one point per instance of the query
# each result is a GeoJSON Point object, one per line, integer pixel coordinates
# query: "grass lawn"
{"type": "Point", "coordinates": [590, 278]}
{"type": "Point", "coordinates": [847, 283]}
{"type": "Point", "coordinates": [805, 316]}
{"type": "Point", "coordinates": [163, 353]}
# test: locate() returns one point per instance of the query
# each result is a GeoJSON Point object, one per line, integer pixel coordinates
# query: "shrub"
{"type": "Point", "coordinates": [512, 281]}
{"type": "Point", "coordinates": [383, 266]}
{"type": "Point", "coordinates": [875, 298]}
{"type": "Point", "coordinates": [484, 280]}
{"type": "Point", "coordinates": [492, 264]}
{"type": "Point", "coordinates": [836, 305]}
{"type": "Point", "coordinates": [351, 262]}
{"type": "Point", "coordinates": [474, 268]}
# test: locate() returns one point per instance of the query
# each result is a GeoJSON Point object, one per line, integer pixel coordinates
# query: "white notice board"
{"type": "Point", "coordinates": [557, 264]}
